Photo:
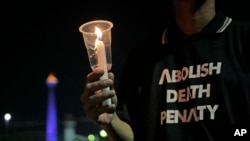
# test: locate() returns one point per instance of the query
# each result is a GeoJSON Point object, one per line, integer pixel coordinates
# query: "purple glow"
{"type": "Point", "coordinates": [51, 125]}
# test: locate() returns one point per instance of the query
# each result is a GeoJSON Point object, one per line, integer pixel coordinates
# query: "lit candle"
{"type": "Point", "coordinates": [101, 59]}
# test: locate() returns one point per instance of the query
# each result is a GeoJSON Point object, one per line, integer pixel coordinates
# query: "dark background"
{"type": "Point", "coordinates": [38, 38]}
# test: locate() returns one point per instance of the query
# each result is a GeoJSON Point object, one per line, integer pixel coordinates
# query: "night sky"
{"type": "Point", "coordinates": [38, 38]}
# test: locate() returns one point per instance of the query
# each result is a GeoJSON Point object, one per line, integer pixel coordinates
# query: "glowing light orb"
{"type": "Point", "coordinates": [103, 133]}
{"type": "Point", "coordinates": [7, 116]}
{"type": "Point", "coordinates": [91, 137]}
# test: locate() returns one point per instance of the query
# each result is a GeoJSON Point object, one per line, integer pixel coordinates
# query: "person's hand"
{"type": "Point", "coordinates": [92, 98]}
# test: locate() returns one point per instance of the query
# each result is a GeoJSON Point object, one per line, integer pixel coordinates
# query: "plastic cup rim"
{"type": "Point", "coordinates": [95, 21]}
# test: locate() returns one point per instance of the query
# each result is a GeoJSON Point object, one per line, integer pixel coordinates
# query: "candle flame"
{"type": "Point", "coordinates": [98, 33]}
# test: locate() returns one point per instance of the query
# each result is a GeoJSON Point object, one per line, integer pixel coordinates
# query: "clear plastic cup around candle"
{"type": "Point", "coordinates": [89, 36]}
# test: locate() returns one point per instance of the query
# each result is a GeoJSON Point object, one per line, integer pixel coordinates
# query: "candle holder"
{"type": "Point", "coordinates": [97, 39]}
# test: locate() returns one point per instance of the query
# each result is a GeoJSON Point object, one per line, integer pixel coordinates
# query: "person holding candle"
{"type": "Point", "coordinates": [189, 82]}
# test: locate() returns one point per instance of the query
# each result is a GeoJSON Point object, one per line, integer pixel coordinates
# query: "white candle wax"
{"type": "Point", "coordinates": [102, 63]}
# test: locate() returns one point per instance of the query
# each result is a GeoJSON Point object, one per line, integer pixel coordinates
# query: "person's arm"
{"type": "Point", "coordinates": [118, 130]}
{"type": "Point", "coordinates": [104, 116]}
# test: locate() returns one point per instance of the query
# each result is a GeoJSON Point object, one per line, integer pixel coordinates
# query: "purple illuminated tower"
{"type": "Point", "coordinates": [51, 122]}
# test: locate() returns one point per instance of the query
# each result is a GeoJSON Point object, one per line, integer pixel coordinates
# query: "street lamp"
{"type": "Point", "coordinates": [7, 118]}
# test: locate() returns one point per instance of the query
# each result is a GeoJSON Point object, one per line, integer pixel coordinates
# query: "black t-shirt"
{"type": "Point", "coordinates": [193, 88]}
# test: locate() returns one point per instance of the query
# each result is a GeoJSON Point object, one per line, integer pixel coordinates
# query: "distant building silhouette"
{"type": "Point", "coordinates": [69, 128]}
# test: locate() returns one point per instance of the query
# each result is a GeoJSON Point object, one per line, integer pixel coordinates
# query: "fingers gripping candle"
{"type": "Point", "coordinates": [101, 59]}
